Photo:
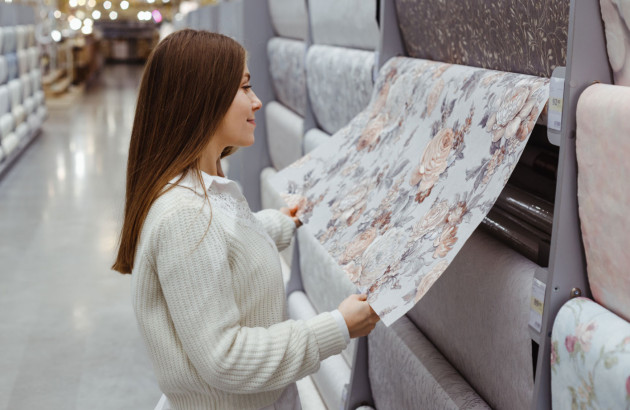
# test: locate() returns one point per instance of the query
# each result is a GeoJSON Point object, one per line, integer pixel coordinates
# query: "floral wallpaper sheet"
{"type": "Point", "coordinates": [590, 358]}
{"type": "Point", "coordinates": [528, 37]}
{"type": "Point", "coordinates": [602, 149]}
{"type": "Point", "coordinates": [396, 193]}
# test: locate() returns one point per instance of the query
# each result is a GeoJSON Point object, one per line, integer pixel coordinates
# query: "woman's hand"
{"type": "Point", "coordinates": [291, 213]}
{"type": "Point", "coordinates": [359, 316]}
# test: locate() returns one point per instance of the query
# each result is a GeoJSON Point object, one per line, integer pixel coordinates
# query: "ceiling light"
{"type": "Point", "coordinates": [56, 35]}
{"type": "Point", "coordinates": [86, 30]}
{"type": "Point", "coordinates": [113, 15]}
{"type": "Point", "coordinates": [75, 24]}
{"type": "Point", "coordinates": [72, 3]}
{"type": "Point", "coordinates": [96, 14]}
{"type": "Point", "coordinates": [57, 14]}
{"type": "Point", "coordinates": [88, 22]}
{"type": "Point", "coordinates": [91, 3]}
{"type": "Point", "coordinates": [107, 5]}
{"type": "Point", "coordinates": [81, 3]}
{"type": "Point", "coordinates": [80, 14]}
{"type": "Point", "coordinates": [124, 4]}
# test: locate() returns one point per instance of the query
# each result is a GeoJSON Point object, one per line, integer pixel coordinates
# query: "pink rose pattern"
{"type": "Point", "coordinates": [397, 192]}
{"type": "Point", "coordinates": [590, 354]}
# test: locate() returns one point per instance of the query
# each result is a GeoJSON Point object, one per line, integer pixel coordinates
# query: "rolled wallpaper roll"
{"type": "Point", "coordinates": [30, 105]}
{"type": "Point", "coordinates": [289, 18]}
{"type": "Point", "coordinates": [602, 147]}
{"type": "Point", "coordinates": [284, 134]}
{"type": "Point", "coordinates": [473, 296]}
{"type": "Point", "coordinates": [408, 372]}
{"type": "Point", "coordinates": [397, 192]}
{"type": "Point", "coordinates": [616, 16]}
{"type": "Point", "coordinates": [271, 199]}
{"type": "Point", "coordinates": [339, 84]}
{"type": "Point", "coordinates": [334, 372]}
{"type": "Point", "coordinates": [20, 32]}
{"type": "Point", "coordinates": [528, 207]}
{"type": "Point", "coordinates": [27, 86]}
{"type": "Point", "coordinates": [348, 23]}
{"type": "Point", "coordinates": [36, 80]}
{"type": "Point", "coordinates": [22, 130]}
{"type": "Point", "coordinates": [5, 102]}
{"type": "Point", "coordinates": [33, 122]}
{"type": "Point", "coordinates": [507, 35]}
{"type": "Point", "coordinates": [10, 40]}
{"type": "Point", "coordinates": [1, 40]}
{"type": "Point", "coordinates": [7, 125]}
{"type": "Point", "coordinates": [30, 35]}
{"type": "Point", "coordinates": [543, 161]}
{"type": "Point", "coordinates": [15, 92]}
{"type": "Point", "coordinates": [4, 69]}
{"type": "Point", "coordinates": [590, 358]}
{"type": "Point", "coordinates": [533, 182]}
{"type": "Point", "coordinates": [12, 65]}
{"type": "Point", "coordinates": [33, 58]}
{"type": "Point", "coordinates": [19, 115]}
{"type": "Point", "coordinates": [286, 65]}
{"type": "Point", "coordinates": [10, 143]}
{"type": "Point", "coordinates": [314, 138]}
{"type": "Point", "coordinates": [22, 56]}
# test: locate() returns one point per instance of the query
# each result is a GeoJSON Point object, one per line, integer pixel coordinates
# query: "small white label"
{"type": "Point", "coordinates": [537, 305]}
{"type": "Point", "coordinates": [556, 92]}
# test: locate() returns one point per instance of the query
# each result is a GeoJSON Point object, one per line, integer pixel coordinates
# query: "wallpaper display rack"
{"type": "Point", "coordinates": [20, 19]}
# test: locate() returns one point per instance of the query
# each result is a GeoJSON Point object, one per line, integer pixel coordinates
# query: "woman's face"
{"type": "Point", "coordinates": [237, 127]}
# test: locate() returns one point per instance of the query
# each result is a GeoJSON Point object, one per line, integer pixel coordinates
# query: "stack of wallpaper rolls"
{"type": "Point", "coordinates": [284, 117]}
{"type": "Point", "coordinates": [22, 109]}
{"type": "Point", "coordinates": [590, 354]}
{"type": "Point", "coordinates": [338, 80]}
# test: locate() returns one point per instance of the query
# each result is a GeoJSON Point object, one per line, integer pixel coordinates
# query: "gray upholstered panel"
{"type": "Point", "coordinates": [347, 23]}
{"type": "Point", "coordinates": [284, 134]}
{"type": "Point", "coordinates": [339, 84]}
{"type": "Point", "coordinates": [527, 37]}
{"type": "Point", "coordinates": [407, 372]}
{"type": "Point", "coordinates": [286, 65]}
{"type": "Point", "coordinates": [324, 282]}
{"type": "Point", "coordinates": [477, 315]}
{"type": "Point", "coordinates": [289, 18]}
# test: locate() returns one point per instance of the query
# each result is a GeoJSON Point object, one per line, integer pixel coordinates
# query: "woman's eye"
{"type": "Point", "coordinates": [247, 87]}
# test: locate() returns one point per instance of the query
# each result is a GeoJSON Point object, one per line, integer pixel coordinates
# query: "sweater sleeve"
{"type": "Point", "coordinates": [278, 226]}
{"type": "Point", "coordinates": [195, 276]}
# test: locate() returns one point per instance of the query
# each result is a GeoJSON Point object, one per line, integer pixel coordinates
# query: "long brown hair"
{"type": "Point", "coordinates": [188, 84]}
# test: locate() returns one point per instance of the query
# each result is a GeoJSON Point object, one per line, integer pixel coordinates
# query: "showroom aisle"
{"type": "Point", "coordinates": [67, 331]}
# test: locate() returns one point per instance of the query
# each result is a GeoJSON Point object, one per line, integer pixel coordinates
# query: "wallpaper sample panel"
{"type": "Point", "coordinates": [518, 36]}
{"type": "Point", "coordinates": [590, 358]}
{"type": "Point", "coordinates": [396, 193]}
{"type": "Point", "coordinates": [289, 18]}
{"type": "Point", "coordinates": [286, 65]}
{"type": "Point", "coordinates": [339, 84]}
{"type": "Point", "coordinates": [602, 148]}
{"type": "Point", "coordinates": [616, 16]}
{"type": "Point", "coordinates": [347, 23]}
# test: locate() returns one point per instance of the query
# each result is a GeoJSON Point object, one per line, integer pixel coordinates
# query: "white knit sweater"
{"type": "Point", "coordinates": [209, 298]}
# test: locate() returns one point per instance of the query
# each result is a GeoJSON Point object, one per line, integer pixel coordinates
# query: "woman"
{"type": "Point", "coordinates": [207, 286]}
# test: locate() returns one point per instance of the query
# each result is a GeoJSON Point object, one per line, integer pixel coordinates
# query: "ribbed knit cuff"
{"type": "Point", "coordinates": [288, 229]}
{"type": "Point", "coordinates": [279, 226]}
{"type": "Point", "coordinates": [330, 339]}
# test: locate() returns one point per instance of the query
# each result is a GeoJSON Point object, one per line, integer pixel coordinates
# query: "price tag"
{"type": "Point", "coordinates": [556, 92]}
{"type": "Point", "coordinates": [537, 305]}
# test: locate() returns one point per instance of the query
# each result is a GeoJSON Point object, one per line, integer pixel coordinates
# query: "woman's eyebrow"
{"type": "Point", "coordinates": [247, 76]}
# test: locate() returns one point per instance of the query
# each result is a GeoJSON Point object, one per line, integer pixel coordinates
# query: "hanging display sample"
{"type": "Point", "coordinates": [528, 37]}
{"type": "Point", "coordinates": [397, 192]}
{"type": "Point", "coordinates": [602, 149]}
{"type": "Point", "coordinates": [616, 16]}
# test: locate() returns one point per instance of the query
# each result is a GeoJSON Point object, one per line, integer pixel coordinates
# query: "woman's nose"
{"type": "Point", "coordinates": [256, 103]}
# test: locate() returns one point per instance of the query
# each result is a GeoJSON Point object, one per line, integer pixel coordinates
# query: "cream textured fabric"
{"type": "Point", "coordinates": [209, 298]}
{"type": "Point", "coordinates": [488, 289]}
{"type": "Point", "coordinates": [289, 18]}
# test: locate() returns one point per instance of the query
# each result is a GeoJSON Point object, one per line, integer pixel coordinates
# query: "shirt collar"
{"type": "Point", "coordinates": [221, 184]}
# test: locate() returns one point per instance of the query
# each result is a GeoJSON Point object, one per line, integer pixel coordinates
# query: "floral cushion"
{"type": "Point", "coordinates": [590, 358]}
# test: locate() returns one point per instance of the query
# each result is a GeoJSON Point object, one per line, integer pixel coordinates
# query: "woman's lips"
{"type": "Point", "coordinates": [253, 122]}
